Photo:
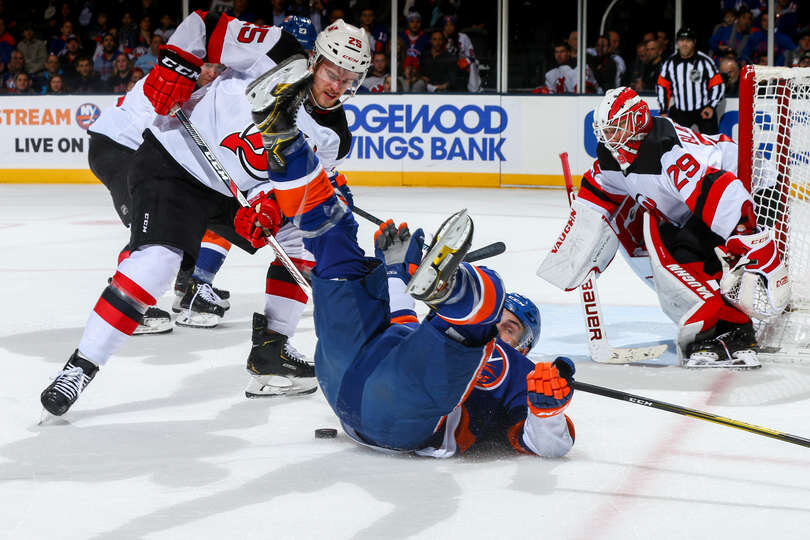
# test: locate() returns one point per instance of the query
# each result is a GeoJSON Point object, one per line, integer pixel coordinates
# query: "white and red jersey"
{"type": "Point", "coordinates": [563, 80]}
{"type": "Point", "coordinates": [677, 174]}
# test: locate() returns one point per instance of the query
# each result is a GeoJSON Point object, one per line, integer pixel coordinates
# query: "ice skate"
{"type": "Point", "coordinates": [735, 349]}
{"type": "Point", "coordinates": [68, 384]}
{"type": "Point", "coordinates": [181, 284]}
{"type": "Point", "coordinates": [432, 281]}
{"type": "Point", "coordinates": [154, 321]}
{"type": "Point", "coordinates": [199, 307]}
{"type": "Point", "coordinates": [276, 367]}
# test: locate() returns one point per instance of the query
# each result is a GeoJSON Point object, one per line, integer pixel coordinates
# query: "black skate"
{"type": "Point", "coordinates": [433, 280]}
{"type": "Point", "coordinates": [199, 307]}
{"type": "Point", "coordinates": [154, 321]}
{"type": "Point", "coordinates": [68, 384]}
{"type": "Point", "coordinates": [181, 284]}
{"type": "Point", "coordinates": [275, 367]}
{"type": "Point", "coordinates": [274, 101]}
{"type": "Point", "coordinates": [733, 349]}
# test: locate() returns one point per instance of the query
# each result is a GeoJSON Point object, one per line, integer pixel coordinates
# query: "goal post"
{"type": "Point", "coordinates": [774, 163]}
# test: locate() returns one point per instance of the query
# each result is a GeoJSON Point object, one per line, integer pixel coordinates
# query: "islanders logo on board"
{"type": "Point", "coordinates": [86, 114]}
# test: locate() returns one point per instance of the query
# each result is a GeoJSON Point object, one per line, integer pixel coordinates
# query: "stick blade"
{"type": "Point", "coordinates": [627, 355]}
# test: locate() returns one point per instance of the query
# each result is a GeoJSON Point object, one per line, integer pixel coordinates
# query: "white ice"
{"type": "Point", "coordinates": [163, 444]}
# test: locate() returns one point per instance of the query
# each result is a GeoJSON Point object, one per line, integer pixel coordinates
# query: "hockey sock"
{"type": "Point", "coordinates": [144, 276]}
{"type": "Point", "coordinates": [474, 306]}
{"type": "Point", "coordinates": [213, 250]}
{"type": "Point", "coordinates": [284, 300]}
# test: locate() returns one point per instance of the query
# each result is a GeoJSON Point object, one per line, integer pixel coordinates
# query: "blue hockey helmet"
{"type": "Point", "coordinates": [302, 29]}
{"type": "Point", "coordinates": [527, 313]}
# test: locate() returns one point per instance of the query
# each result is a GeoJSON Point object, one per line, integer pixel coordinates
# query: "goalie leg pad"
{"type": "Point", "coordinates": [586, 243]}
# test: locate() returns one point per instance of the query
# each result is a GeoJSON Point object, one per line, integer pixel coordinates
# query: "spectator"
{"type": "Point", "coordinates": [144, 37]}
{"type": "Point", "coordinates": [655, 59]}
{"type": "Point", "coordinates": [663, 39]}
{"type": "Point", "coordinates": [147, 9]}
{"type": "Point", "coordinates": [733, 5]}
{"type": "Point", "coordinates": [56, 85]}
{"type": "Point", "coordinates": [59, 43]}
{"type": "Point", "coordinates": [121, 74]}
{"type": "Point", "coordinates": [317, 15]}
{"type": "Point", "coordinates": [22, 84]}
{"type": "Point", "coordinates": [167, 27]}
{"type": "Point", "coordinates": [99, 27]}
{"type": "Point", "coordinates": [787, 17]}
{"type": "Point", "coordinates": [51, 70]}
{"type": "Point", "coordinates": [241, 11]}
{"type": "Point", "coordinates": [86, 81]}
{"type": "Point", "coordinates": [561, 79]}
{"type": "Point", "coordinates": [336, 14]}
{"type": "Point", "coordinates": [730, 71]}
{"type": "Point", "coordinates": [603, 66]}
{"type": "Point", "coordinates": [734, 38]}
{"type": "Point", "coordinates": [729, 15]}
{"type": "Point", "coordinates": [15, 65]}
{"type": "Point", "coordinates": [128, 33]}
{"type": "Point", "coordinates": [689, 86]}
{"type": "Point", "coordinates": [376, 74]}
{"type": "Point", "coordinates": [460, 47]}
{"type": "Point", "coordinates": [147, 60]}
{"type": "Point", "coordinates": [792, 57]}
{"type": "Point", "coordinates": [804, 61]}
{"type": "Point", "coordinates": [415, 37]}
{"type": "Point", "coordinates": [638, 68]}
{"type": "Point", "coordinates": [377, 33]}
{"type": "Point", "coordinates": [758, 44]}
{"type": "Point", "coordinates": [411, 79]}
{"type": "Point", "coordinates": [573, 46]}
{"type": "Point", "coordinates": [279, 12]}
{"type": "Point", "coordinates": [439, 69]}
{"type": "Point", "coordinates": [33, 50]}
{"type": "Point", "coordinates": [69, 56]}
{"type": "Point", "coordinates": [5, 37]}
{"type": "Point", "coordinates": [615, 41]}
{"type": "Point", "coordinates": [103, 62]}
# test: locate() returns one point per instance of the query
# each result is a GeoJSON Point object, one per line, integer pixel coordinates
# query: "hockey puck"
{"type": "Point", "coordinates": [325, 433]}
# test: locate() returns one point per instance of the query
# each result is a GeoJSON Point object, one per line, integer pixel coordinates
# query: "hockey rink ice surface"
{"type": "Point", "coordinates": [164, 445]}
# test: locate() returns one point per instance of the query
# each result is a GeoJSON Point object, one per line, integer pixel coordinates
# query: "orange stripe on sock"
{"type": "Point", "coordinates": [404, 319]}
{"type": "Point", "coordinates": [213, 238]}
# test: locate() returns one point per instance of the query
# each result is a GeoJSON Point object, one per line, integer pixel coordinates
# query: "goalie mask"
{"type": "Point", "coordinates": [347, 47]}
{"type": "Point", "coordinates": [621, 122]}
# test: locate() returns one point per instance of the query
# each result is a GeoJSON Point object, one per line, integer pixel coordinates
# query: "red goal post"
{"type": "Point", "coordinates": [774, 163]}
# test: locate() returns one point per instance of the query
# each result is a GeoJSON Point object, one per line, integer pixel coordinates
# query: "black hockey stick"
{"type": "Point", "coordinates": [685, 411]}
{"type": "Point", "coordinates": [490, 250]}
{"type": "Point", "coordinates": [223, 175]}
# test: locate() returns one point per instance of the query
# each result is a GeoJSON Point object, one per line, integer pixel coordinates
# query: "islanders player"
{"type": "Point", "coordinates": [396, 384]}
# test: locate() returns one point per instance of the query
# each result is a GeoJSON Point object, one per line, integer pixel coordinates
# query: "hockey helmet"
{"type": "Point", "coordinates": [302, 29]}
{"type": "Point", "coordinates": [347, 47]}
{"type": "Point", "coordinates": [527, 313]}
{"type": "Point", "coordinates": [621, 122]}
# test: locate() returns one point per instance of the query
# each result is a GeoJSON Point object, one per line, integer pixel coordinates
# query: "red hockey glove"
{"type": "Point", "coordinates": [172, 79]}
{"type": "Point", "coordinates": [549, 390]}
{"type": "Point", "coordinates": [259, 220]}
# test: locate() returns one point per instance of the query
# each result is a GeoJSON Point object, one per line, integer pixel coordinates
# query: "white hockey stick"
{"type": "Point", "coordinates": [223, 175]}
{"type": "Point", "coordinates": [598, 344]}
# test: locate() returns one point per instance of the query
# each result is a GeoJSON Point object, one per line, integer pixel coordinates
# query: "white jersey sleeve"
{"type": "Point", "coordinates": [124, 123]}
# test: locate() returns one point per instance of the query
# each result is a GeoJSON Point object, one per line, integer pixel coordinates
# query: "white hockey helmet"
{"type": "Point", "coordinates": [347, 47]}
{"type": "Point", "coordinates": [621, 122]}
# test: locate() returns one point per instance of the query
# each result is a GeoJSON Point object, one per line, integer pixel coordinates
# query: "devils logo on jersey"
{"type": "Point", "coordinates": [250, 150]}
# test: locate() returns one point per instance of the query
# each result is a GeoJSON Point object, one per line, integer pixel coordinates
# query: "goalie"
{"type": "Point", "coordinates": [712, 267]}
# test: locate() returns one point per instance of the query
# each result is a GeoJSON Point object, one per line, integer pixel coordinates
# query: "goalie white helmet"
{"type": "Point", "coordinates": [621, 122]}
{"type": "Point", "coordinates": [347, 47]}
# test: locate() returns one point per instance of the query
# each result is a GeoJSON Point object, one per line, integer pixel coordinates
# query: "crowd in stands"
{"type": "Point", "coordinates": [85, 46]}
{"type": "Point", "coordinates": [739, 38]}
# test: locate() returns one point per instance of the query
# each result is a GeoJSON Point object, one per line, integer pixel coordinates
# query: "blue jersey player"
{"type": "Point", "coordinates": [433, 387]}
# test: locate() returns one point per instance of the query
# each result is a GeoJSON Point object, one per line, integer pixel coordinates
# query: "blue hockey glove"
{"type": "Point", "coordinates": [398, 249]}
{"type": "Point", "coordinates": [549, 387]}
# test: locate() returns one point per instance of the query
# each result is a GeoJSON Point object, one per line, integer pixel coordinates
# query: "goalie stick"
{"type": "Point", "coordinates": [598, 344]}
{"type": "Point", "coordinates": [685, 411]}
{"type": "Point", "coordinates": [490, 250]}
{"type": "Point", "coordinates": [223, 175]}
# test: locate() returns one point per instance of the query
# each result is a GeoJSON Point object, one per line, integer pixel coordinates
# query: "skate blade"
{"type": "Point", "coordinates": [261, 386]}
{"type": "Point", "coordinates": [453, 238]}
{"type": "Point", "coordinates": [197, 320]}
{"type": "Point", "coordinates": [160, 326]}
{"type": "Point", "coordinates": [48, 419]}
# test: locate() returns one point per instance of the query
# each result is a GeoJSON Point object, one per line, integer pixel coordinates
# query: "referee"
{"type": "Point", "coordinates": [689, 86]}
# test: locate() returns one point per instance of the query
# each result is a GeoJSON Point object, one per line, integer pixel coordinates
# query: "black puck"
{"type": "Point", "coordinates": [325, 433]}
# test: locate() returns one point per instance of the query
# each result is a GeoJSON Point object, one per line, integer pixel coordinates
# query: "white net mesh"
{"type": "Point", "coordinates": [780, 183]}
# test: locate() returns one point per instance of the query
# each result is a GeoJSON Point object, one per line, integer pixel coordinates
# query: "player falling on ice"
{"type": "Point", "coordinates": [396, 384]}
{"type": "Point", "coordinates": [176, 196]}
{"type": "Point", "coordinates": [699, 230]}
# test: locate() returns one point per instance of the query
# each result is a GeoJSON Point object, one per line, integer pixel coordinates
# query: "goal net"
{"type": "Point", "coordinates": [774, 160]}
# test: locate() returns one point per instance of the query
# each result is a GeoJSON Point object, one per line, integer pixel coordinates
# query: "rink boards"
{"type": "Point", "coordinates": [398, 140]}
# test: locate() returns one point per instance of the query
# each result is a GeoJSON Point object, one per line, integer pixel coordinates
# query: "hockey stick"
{"type": "Point", "coordinates": [490, 250]}
{"type": "Point", "coordinates": [685, 411]}
{"type": "Point", "coordinates": [234, 189]}
{"type": "Point", "coordinates": [598, 344]}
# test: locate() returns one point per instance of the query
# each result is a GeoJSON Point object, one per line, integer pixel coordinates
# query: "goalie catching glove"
{"type": "Point", "coordinates": [259, 220]}
{"type": "Point", "coordinates": [172, 80]}
{"type": "Point", "coordinates": [754, 277]}
{"type": "Point", "coordinates": [549, 386]}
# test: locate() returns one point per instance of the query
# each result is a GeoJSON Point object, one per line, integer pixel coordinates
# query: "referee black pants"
{"type": "Point", "coordinates": [687, 118]}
